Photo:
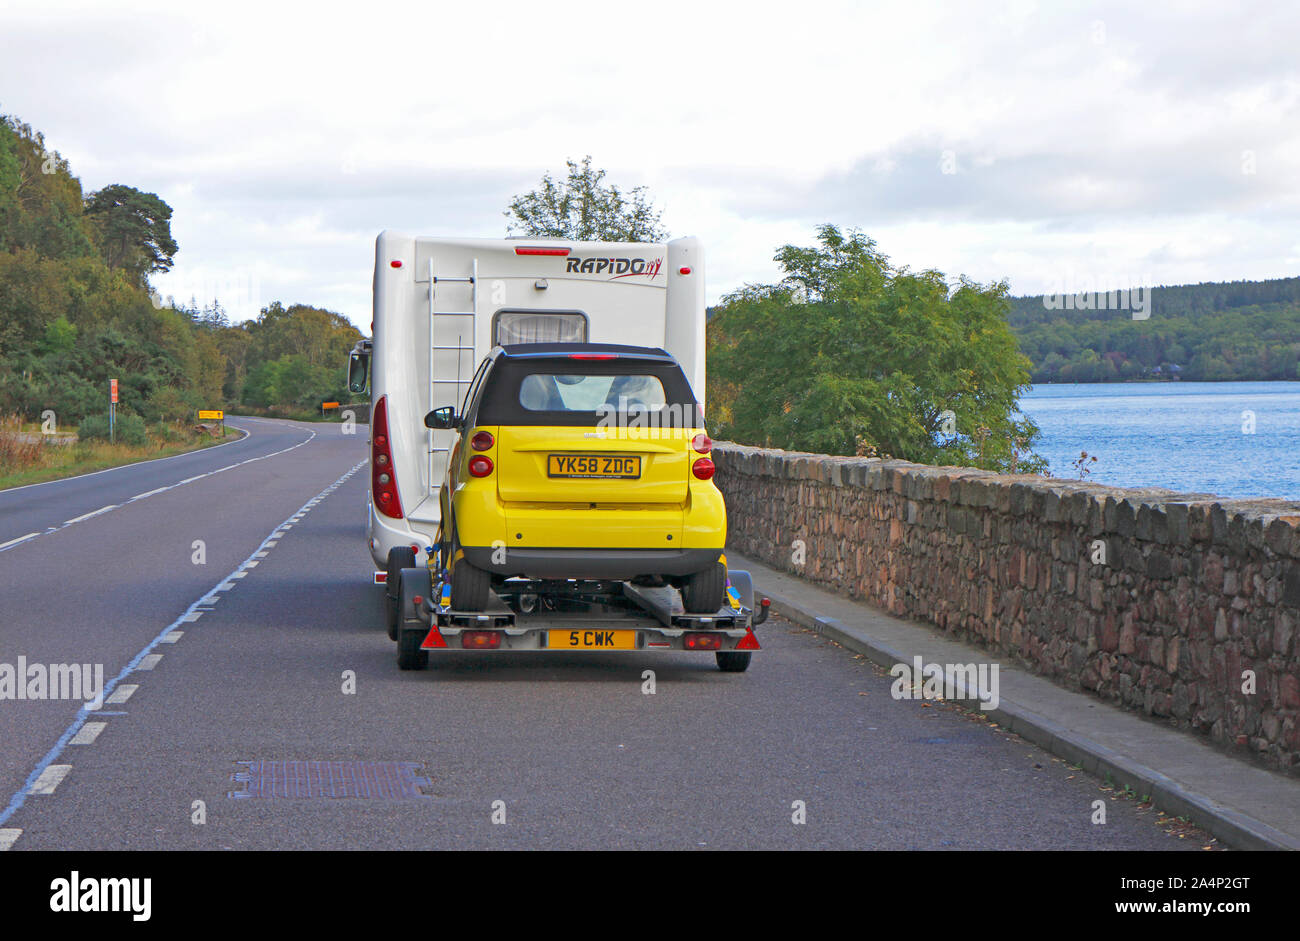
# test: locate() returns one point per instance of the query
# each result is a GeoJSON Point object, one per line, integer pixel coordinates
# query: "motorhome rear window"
{"type": "Point", "coordinates": [530, 326]}
{"type": "Point", "coordinates": [562, 391]}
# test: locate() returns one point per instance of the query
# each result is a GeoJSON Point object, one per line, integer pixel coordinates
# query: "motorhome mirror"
{"type": "Point", "coordinates": [358, 372]}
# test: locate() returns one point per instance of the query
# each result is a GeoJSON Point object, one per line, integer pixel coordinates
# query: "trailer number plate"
{"type": "Point", "coordinates": [594, 465]}
{"type": "Point", "coordinates": [591, 640]}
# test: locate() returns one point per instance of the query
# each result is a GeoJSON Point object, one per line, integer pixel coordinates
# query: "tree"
{"type": "Point", "coordinates": [135, 229]}
{"type": "Point", "coordinates": [848, 355]}
{"type": "Point", "coordinates": [582, 208]}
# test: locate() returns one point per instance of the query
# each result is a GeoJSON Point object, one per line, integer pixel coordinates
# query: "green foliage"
{"type": "Point", "coordinates": [582, 208]}
{"type": "Point", "coordinates": [134, 229]}
{"type": "Point", "coordinates": [127, 429]}
{"type": "Point", "coordinates": [1243, 330]}
{"type": "Point", "coordinates": [848, 355]}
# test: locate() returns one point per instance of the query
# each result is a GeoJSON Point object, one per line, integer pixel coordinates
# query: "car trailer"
{"type": "Point", "coordinates": [572, 615]}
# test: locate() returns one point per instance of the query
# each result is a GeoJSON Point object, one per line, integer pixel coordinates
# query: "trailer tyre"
{"type": "Point", "coordinates": [409, 654]}
{"type": "Point", "coordinates": [470, 587]}
{"type": "Point", "coordinates": [733, 662]}
{"type": "Point", "coordinates": [401, 557]}
{"type": "Point", "coordinates": [702, 593]}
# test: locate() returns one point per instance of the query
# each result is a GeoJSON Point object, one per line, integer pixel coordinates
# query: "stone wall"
{"type": "Point", "coordinates": [1150, 598]}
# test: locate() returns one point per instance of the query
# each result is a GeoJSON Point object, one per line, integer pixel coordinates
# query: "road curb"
{"type": "Point", "coordinates": [1233, 827]}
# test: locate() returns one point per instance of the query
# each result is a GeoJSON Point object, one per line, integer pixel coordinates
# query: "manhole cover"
{"type": "Point", "coordinates": [374, 780]}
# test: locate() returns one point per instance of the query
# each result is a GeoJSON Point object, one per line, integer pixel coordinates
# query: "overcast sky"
{"type": "Point", "coordinates": [1059, 146]}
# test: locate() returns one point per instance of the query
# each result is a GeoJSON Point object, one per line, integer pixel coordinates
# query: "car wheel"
{"type": "Point", "coordinates": [733, 662]}
{"type": "Point", "coordinates": [470, 587]}
{"type": "Point", "coordinates": [702, 592]}
{"type": "Point", "coordinates": [401, 557]}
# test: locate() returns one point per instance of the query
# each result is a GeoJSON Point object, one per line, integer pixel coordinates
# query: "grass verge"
{"type": "Point", "coordinates": [24, 459]}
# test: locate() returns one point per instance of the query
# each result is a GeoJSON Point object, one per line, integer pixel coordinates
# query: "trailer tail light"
{"type": "Point", "coordinates": [702, 641]}
{"type": "Point", "coordinates": [480, 640]}
{"type": "Point", "coordinates": [703, 469]}
{"type": "Point", "coordinates": [482, 441]}
{"type": "Point", "coordinates": [560, 252]}
{"type": "Point", "coordinates": [702, 443]}
{"type": "Point", "coordinates": [382, 485]}
{"type": "Point", "coordinates": [480, 465]}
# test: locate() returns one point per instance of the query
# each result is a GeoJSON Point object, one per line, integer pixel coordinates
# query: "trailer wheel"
{"type": "Point", "coordinates": [469, 587]}
{"type": "Point", "coordinates": [702, 593]}
{"type": "Point", "coordinates": [409, 654]}
{"type": "Point", "coordinates": [401, 557]}
{"type": "Point", "coordinates": [732, 661]}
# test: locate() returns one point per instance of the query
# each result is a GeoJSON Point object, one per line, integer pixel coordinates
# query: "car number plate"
{"type": "Point", "coordinates": [615, 466]}
{"type": "Point", "coordinates": [591, 640]}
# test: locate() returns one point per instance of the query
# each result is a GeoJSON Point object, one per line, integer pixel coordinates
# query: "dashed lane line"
{"type": "Point", "coordinates": [45, 777]}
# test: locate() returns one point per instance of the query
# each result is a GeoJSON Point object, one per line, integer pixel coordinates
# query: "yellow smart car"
{"type": "Point", "coordinates": [581, 461]}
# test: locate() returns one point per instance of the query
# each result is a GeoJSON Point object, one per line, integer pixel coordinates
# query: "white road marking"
{"type": "Point", "coordinates": [121, 694]}
{"type": "Point", "coordinates": [188, 480]}
{"type": "Point", "coordinates": [173, 637]}
{"type": "Point", "coordinates": [192, 617]}
{"type": "Point", "coordinates": [88, 733]}
{"type": "Point", "coordinates": [14, 542]}
{"type": "Point", "coordinates": [86, 516]}
{"type": "Point", "coordinates": [147, 493]}
{"type": "Point", "coordinates": [239, 575]}
{"type": "Point", "coordinates": [50, 778]}
{"type": "Point", "coordinates": [46, 775]}
{"type": "Point", "coordinates": [8, 838]}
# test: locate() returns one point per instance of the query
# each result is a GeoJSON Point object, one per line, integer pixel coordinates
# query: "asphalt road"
{"type": "Point", "coordinates": [288, 661]}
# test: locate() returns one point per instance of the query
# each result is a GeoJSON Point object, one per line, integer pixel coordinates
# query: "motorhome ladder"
{"type": "Point", "coordinates": [462, 349]}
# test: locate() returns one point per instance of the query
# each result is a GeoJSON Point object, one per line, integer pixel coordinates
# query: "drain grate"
{"type": "Point", "coordinates": [373, 780]}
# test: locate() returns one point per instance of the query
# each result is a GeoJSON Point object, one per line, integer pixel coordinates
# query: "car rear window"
{"type": "Point", "coordinates": [578, 392]}
{"type": "Point", "coordinates": [562, 391]}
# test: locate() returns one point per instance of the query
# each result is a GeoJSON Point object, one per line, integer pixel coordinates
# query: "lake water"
{"type": "Point", "coordinates": [1189, 436]}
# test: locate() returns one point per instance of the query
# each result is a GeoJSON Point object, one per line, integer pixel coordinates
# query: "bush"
{"type": "Point", "coordinates": [128, 429]}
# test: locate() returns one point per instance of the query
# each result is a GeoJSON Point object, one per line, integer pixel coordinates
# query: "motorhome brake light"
{"type": "Point", "coordinates": [482, 441]}
{"type": "Point", "coordinates": [560, 252]}
{"type": "Point", "coordinates": [593, 356]}
{"type": "Point", "coordinates": [702, 444]}
{"type": "Point", "coordinates": [395, 263]}
{"type": "Point", "coordinates": [382, 484]}
{"type": "Point", "coordinates": [480, 465]}
{"type": "Point", "coordinates": [684, 270]}
{"type": "Point", "coordinates": [703, 468]}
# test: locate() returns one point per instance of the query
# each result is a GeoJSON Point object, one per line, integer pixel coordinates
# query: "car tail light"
{"type": "Point", "coordinates": [702, 443]}
{"type": "Point", "coordinates": [702, 641]}
{"type": "Point", "coordinates": [480, 640]}
{"type": "Point", "coordinates": [482, 441]}
{"type": "Point", "coordinates": [480, 465]}
{"type": "Point", "coordinates": [703, 468]}
{"type": "Point", "coordinates": [383, 486]}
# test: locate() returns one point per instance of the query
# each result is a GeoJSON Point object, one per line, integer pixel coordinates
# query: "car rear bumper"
{"type": "Point", "coordinates": [590, 563]}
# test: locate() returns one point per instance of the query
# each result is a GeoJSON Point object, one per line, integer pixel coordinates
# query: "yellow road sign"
{"type": "Point", "coordinates": [215, 415]}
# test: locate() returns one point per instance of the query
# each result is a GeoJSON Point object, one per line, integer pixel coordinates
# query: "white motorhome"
{"type": "Point", "coordinates": [441, 304]}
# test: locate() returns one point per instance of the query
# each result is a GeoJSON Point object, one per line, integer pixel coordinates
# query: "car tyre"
{"type": "Point", "coordinates": [702, 593]}
{"type": "Point", "coordinates": [470, 587]}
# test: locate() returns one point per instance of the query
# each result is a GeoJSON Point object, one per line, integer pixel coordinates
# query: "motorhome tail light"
{"type": "Point", "coordinates": [684, 270]}
{"type": "Point", "coordinates": [480, 640]}
{"type": "Point", "coordinates": [703, 468]}
{"type": "Point", "coordinates": [702, 443]}
{"type": "Point", "coordinates": [700, 641]}
{"type": "Point", "coordinates": [395, 263]}
{"type": "Point", "coordinates": [593, 356]}
{"type": "Point", "coordinates": [482, 441]}
{"type": "Point", "coordinates": [382, 485]}
{"type": "Point", "coordinates": [524, 250]}
{"type": "Point", "coordinates": [480, 465]}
